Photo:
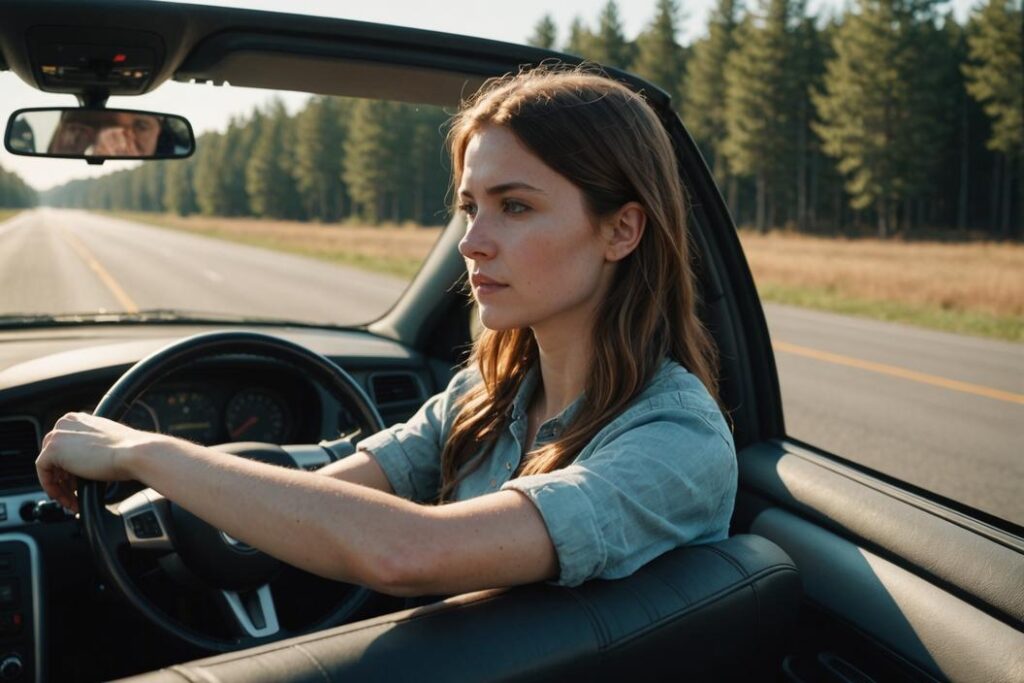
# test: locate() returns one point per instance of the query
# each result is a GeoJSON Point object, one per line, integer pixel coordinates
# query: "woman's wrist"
{"type": "Point", "coordinates": [133, 460]}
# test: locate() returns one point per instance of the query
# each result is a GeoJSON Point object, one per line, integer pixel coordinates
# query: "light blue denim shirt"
{"type": "Point", "coordinates": [660, 475]}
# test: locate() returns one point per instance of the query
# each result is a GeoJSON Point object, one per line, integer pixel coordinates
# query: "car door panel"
{"type": "Point", "coordinates": [922, 584]}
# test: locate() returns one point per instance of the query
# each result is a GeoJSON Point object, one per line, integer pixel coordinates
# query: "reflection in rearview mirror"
{"type": "Point", "coordinates": [98, 134]}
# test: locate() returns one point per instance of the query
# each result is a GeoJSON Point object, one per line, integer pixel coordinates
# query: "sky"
{"type": "Point", "coordinates": [210, 108]}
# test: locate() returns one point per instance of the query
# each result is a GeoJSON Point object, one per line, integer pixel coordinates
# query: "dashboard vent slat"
{"type": "Point", "coordinates": [395, 387]}
{"type": "Point", "coordinates": [19, 448]}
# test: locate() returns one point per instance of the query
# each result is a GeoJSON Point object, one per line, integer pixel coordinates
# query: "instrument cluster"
{"type": "Point", "coordinates": [249, 414]}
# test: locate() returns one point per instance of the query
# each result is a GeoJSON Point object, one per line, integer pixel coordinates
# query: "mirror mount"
{"type": "Point", "coordinates": [93, 100]}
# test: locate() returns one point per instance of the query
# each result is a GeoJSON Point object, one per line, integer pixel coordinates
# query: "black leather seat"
{"type": "Point", "coordinates": [722, 611]}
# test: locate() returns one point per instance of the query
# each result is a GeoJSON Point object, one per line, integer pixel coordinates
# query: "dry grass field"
{"type": "Point", "coordinates": [972, 288]}
{"type": "Point", "coordinates": [8, 213]}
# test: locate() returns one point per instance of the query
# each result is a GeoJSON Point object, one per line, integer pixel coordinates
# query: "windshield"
{"type": "Point", "coordinates": [293, 208]}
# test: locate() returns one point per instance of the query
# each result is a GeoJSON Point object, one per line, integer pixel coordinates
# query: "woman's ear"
{"type": "Point", "coordinates": [623, 230]}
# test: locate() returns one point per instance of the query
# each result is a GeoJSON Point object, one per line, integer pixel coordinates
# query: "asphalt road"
{"type": "Point", "coordinates": [71, 261]}
{"type": "Point", "coordinates": [941, 411]}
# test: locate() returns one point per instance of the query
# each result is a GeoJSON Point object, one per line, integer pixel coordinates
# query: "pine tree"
{"type": "Point", "coordinates": [545, 33]}
{"type": "Point", "coordinates": [179, 196]}
{"type": "Point", "coordinates": [268, 174]}
{"type": "Point", "coordinates": [581, 39]}
{"type": "Point", "coordinates": [759, 95]}
{"type": "Point", "coordinates": [210, 180]}
{"type": "Point", "coordinates": [995, 78]}
{"type": "Point", "coordinates": [703, 96]}
{"type": "Point", "coordinates": [368, 166]}
{"type": "Point", "coordinates": [318, 152]}
{"type": "Point", "coordinates": [610, 46]}
{"type": "Point", "coordinates": [879, 106]}
{"type": "Point", "coordinates": [660, 59]}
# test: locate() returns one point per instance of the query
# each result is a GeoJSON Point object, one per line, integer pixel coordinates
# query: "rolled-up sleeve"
{"type": "Point", "coordinates": [662, 479]}
{"type": "Point", "coordinates": [409, 452]}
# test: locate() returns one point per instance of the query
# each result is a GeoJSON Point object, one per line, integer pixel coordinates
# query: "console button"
{"type": "Point", "coordinates": [146, 525]}
{"type": "Point", "coordinates": [10, 623]}
{"type": "Point", "coordinates": [8, 592]}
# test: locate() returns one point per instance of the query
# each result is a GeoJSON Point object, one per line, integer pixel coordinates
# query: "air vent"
{"type": "Point", "coordinates": [395, 387]}
{"type": "Point", "coordinates": [19, 447]}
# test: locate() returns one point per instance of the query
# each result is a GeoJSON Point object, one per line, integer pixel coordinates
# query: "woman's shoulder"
{"type": "Point", "coordinates": [672, 382]}
{"type": "Point", "coordinates": [675, 391]}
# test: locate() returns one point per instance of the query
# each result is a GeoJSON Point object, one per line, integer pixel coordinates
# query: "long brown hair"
{"type": "Point", "coordinates": [606, 140]}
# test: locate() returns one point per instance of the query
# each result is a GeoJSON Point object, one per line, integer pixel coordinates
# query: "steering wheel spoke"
{"type": "Point", "coordinates": [312, 457]}
{"type": "Point", "coordinates": [146, 521]}
{"type": "Point", "coordinates": [253, 611]}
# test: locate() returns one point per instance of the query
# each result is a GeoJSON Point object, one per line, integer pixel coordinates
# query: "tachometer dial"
{"type": "Point", "coordinates": [254, 415]}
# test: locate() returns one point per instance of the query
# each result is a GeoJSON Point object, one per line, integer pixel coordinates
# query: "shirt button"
{"type": "Point", "coordinates": [508, 466]}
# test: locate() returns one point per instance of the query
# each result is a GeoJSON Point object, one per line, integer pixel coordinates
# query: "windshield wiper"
{"type": "Point", "coordinates": [149, 315]}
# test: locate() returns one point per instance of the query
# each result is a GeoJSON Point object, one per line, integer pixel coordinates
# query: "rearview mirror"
{"type": "Point", "coordinates": [98, 134]}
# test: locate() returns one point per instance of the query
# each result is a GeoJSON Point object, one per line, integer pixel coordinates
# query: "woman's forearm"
{"type": "Point", "coordinates": [326, 526]}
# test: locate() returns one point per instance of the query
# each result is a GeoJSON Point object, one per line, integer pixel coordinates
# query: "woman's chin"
{"type": "Point", "coordinates": [497, 322]}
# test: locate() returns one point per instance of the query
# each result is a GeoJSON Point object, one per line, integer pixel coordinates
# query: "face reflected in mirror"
{"type": "Point", "coordinates": [106, 133]}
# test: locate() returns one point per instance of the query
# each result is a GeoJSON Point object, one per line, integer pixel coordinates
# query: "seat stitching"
{"type": "Point", "coordinates": [597, 623]}
{"type": "Point", "coordinates": [728, 558]}
{"type": "Point", "coordinates": [316, 662]}
{"type": "Point", "coordinates": [193, 675]}
{"type": "Point", "coordinates": [678, 590]}
{"type": "Point", "coordinates": [315, 638]}
{"type": "Point", "coordinates": [706, 601]}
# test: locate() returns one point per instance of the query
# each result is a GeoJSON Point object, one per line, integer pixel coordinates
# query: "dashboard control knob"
{"type": "Point", "coordinates": [11, 667]}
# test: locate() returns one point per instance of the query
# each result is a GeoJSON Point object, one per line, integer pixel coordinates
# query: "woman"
{"type": "Point", "coordinates": [99, 132]}
{"type": "Point", "coordinates": [583, 438]}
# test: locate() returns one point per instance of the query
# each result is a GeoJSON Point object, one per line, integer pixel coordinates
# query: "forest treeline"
{"type": "Point", "coordinates": [891, 117]}
{"type": "Point", "coordinates": [336, 158]}
{"type": "Point", "coordinates": [15, 193]}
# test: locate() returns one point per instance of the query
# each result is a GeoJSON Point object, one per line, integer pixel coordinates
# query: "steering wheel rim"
{"type": "Point", "coordinates": [105, 532]}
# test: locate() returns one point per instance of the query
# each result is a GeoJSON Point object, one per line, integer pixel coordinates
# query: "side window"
{"type": "Point", "coordinates": [883, 226]}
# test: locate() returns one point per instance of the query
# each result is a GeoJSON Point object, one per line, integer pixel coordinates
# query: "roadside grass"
{"type": "Point", "coordinates": [969, 288]}
{"type": "Point", "coordinates": [390, 249]}
{"type": "Point", "coordinates": [8, 213]}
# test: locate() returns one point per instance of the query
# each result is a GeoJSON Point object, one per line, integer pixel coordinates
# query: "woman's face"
{"type": "Point", "coordinates": [529, 230]}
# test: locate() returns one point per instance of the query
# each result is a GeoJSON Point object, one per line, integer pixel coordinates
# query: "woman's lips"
{"type": "Point", "coordinates": [487, 289]}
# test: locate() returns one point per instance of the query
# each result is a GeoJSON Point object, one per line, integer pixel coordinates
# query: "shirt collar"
{"type": "Point", "coordinates": [521, 403]}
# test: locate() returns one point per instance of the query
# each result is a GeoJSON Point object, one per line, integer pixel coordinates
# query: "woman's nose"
{"type": "Point", "coordinates": [475, 244]}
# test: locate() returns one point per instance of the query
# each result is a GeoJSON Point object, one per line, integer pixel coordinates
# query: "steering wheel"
{"type": "Point", "coordinates": [147, 522]}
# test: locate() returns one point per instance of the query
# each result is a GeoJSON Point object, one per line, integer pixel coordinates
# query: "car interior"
{"type": "Point", "coordinates": [832, 572]}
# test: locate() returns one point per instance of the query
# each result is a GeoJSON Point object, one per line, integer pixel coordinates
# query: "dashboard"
{"type": "Point", "coordinates": [48, 372]}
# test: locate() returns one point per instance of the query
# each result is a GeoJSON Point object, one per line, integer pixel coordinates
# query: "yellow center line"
{"type": "Point", "coordinates": [122, 297]}
{"type": "Point", "coordinates": [895, 371]}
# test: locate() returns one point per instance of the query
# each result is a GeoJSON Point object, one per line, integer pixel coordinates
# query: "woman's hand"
{"type": "Point", "coordinates": [116, 142]}
{"type": "Point", "coordinates": [87, 446]}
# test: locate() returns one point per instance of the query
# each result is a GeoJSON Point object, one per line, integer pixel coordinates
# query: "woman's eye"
{"type": "Point", "coordinates": [467, 209]}
{"type": "Point", "coordinates": [515, 207]}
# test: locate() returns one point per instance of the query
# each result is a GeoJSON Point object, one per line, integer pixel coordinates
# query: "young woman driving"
{"type": "Point", "coordinates": [582, 439]}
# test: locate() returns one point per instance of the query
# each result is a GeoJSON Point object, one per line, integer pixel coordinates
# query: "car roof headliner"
{"type": "Point", "coordinates": [259, 49]}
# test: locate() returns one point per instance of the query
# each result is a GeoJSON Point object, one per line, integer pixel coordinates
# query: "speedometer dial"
{"type": "Point", "coordinates": [190, 415]}
{"type": "Point", "coordinates": [254, 415]}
